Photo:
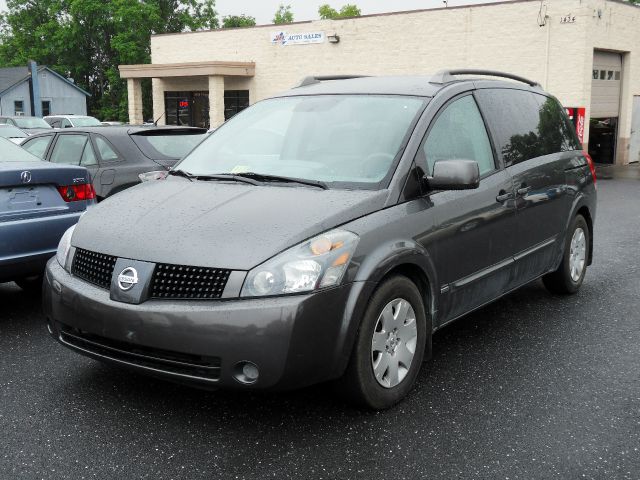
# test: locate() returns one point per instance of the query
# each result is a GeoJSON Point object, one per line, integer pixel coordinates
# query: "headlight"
{"type": "Point", "coordinates": [316, 263]}
{"type": "Point", "coordinates": [64, 246]}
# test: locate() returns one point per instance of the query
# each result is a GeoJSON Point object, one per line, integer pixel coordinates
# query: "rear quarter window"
{"type": "Point", "coordinates": [526, 125]}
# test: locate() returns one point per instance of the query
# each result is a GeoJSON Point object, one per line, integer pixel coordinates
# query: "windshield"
{"type": "Point", "coordinates": [9, 131]}
{"type": "Point", "coordinates": [31, 122]}
{"type": "Point", "coordinates": [166, 145]}
{"type": "Point", "coordinates": [85, 122]}
{"type": "Point", "coordinates": [10, 152]}
{"type": "Point", "coordinates": [348, 141]}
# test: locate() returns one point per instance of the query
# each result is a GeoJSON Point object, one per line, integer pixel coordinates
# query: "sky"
{"type": "Point", "coordinates": [263, 10]}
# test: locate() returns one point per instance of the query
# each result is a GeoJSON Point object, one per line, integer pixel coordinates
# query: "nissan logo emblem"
{"type": "Point", "coordinates": [127, 278]}
{"type": "Point", "coordinates": [25, 176]}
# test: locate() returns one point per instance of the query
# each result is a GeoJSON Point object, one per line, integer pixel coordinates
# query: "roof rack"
{"type": "Point", "coordinates": [322, 78]}
{"type": "Point", "coordinates": [444, 76]}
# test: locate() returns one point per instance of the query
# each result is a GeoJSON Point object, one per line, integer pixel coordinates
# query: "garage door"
{"type": "Point", "coordinates": [605, 84]}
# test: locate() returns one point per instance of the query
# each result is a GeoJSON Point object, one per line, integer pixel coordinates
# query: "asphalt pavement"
{"type": "Point", "coordinates": [533, 386]}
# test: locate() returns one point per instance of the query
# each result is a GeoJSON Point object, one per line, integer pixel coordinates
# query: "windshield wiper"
{"type": "Point", "coordinates": [181, 173]}
{"type": "Point", "coordinates": [264, 177]}
{"type": "Point", "coordinates": [227, 176]}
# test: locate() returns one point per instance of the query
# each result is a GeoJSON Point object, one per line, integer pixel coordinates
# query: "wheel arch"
{"type": "Point", "coordinates": [400, 258]}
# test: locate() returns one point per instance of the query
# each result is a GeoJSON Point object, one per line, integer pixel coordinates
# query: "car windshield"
{"type": "Point", "coordinates": [10, 152]}
{"type": "Point", "coordinates": [350, 141]}
{"type": "Point", "coordinates": [168, 145]}
{"type": "Point", "coordinates": [31, 122]}
{"type": "Point", "coordinates": [9, 131]}
{"type": "Point", "coordinates": [85, 122]}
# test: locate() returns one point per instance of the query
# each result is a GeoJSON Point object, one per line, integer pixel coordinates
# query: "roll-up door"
{"type": "Point", "coordinates": [605, 84]}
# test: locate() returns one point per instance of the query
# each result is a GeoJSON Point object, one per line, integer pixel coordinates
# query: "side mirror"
{"type": "Point", "coordinates": [454, 175]}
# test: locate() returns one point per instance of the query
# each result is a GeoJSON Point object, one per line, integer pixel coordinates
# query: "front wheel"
{"type": "Point", "coordinates": [570, 274]}
{"type": "Point", "coordinates": [389, 347]}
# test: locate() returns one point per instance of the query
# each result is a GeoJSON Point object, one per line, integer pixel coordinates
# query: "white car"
{"type": "Point", "coordinates": [12, 133]}
{"type": "Point", "coordinates": [68, 121]}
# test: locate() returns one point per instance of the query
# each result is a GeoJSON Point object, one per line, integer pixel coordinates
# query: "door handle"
{"type": "Point", "coordinates": [523, 190]}
{"type": "Point", "coordinates": [503, 196]}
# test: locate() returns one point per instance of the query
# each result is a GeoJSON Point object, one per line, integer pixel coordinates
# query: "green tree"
{"type": "Point", "coordinates": [327, 12]}
{"type": "Point", "coordinates": [283, 15]}
{"type": "Point", "coordinates": [86, 40]}
{"type": "Point", "coordinates": [238, 21]}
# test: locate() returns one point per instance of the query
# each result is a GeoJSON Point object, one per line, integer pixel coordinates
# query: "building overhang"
{"type": "Point", "coordinates": [189, 69]}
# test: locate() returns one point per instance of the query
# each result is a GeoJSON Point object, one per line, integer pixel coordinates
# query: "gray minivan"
{"type": "Point", "coordinates": [326, 233]}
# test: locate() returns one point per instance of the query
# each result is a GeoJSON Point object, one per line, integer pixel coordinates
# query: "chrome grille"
{"type": "Point", "coordinates": [96, 268]}
{"type": "Point", "coordinates": [188, 283]}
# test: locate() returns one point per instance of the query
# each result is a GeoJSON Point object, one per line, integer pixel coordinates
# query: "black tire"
{"type": "Point", "coordinates": [30, 284]}
{"type": "Point", "coordinates": [359, 383]}
{"type": "Point", "coordinates": [560, 281]}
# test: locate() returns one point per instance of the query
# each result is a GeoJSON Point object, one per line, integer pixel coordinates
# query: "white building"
{"type": "Point", "coordinates": [585, 52]}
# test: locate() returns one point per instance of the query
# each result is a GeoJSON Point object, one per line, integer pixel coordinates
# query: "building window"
{"type": "Point", "coordinates": [234, 102]}
{"type": "Point", "coordinates": [617, 77]}
{"type": "Point", "coordinates": [602, 74]}
{"type": "Point", "coordinates": [46, 108]}
{"type": "Point", "coordinates": [595, 75]}
{"type": "Point", "coordinates": [610, 75]}
{"type": "Point", "coordinates": [187, 108]}
{"type": "Point", "coordinates": [18, 107]}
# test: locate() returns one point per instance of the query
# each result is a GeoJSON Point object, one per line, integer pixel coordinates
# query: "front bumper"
{"type": "Point", "coordinates": [294, 340]}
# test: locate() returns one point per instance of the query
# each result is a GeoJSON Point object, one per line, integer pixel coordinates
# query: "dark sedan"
{"type": "Point", "coordinates": [116, 155]}
{"type": "Point", "coordinates": [38, 203]}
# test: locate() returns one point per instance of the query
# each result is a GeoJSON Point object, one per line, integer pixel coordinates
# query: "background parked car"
{"type": "Point", "coordinates": [31, 125]}
{"type": "Point", "coordinates": [115, 156]}
{"type": "Point", "coordinates": [12, 133]}
{"type": "Point", "coordinates": [69, 121]}
{"type": "Point", "coordinates": [38, 203]}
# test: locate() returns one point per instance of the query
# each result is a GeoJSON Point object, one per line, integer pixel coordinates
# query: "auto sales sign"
{"type": "Point", "coordinates": [305, 38]}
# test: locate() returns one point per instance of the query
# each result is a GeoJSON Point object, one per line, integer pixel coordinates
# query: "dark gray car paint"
{"type": "Point", "coordinates": [463, 248]}
{"type": "Point", "coordinates": [190, 222]}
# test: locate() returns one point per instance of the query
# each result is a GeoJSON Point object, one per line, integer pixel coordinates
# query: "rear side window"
{"type": "Point", "coordinates": [526, 125]}
{"type": "Point", "coordinates": [73, 150]}
{"type": "Point", "coordinates": [37, 146]}
{"type": "Point", "coordinates": [458, 133]}
{"type": "Point", "coordinates": [557, 133]}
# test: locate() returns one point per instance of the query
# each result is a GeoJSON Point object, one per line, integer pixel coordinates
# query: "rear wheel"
{"type": "Point", "coordinates": [390, 346]}
{"type": "Point", "coordinates": [30, 284]}
{"type": "Point", "coordinates": [570, 274]}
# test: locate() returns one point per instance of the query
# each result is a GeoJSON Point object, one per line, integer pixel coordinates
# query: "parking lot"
{"type": "Point", "coordinates": [532, 386]}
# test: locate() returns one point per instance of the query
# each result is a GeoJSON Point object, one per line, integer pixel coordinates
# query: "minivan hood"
{"type": "Point", "coordinates": [215, 224]}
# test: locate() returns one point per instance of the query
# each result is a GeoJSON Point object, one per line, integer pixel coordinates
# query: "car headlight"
{"type": "Point", "coordinates": [64, 246]}
{"type": "Point", "coordinates": [317, 263]}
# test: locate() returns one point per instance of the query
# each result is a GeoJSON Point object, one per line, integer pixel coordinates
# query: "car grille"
{"type": "Point", "coordinates": [96, 268]}
{"type": "Point", "coordinates": [187, 282]}
{"type": "Point", "coordinates": [167, 361]}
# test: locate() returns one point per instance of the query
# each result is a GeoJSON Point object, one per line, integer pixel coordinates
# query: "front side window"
{"type": "Point", "coordinates": [86, 122]}
{"type": "Point", "coordinates": [458, 133]}
{"type": "Point", "coordinates": [37, 146]}
{"type": "Point", "coordinates": [350, 141]}
{"type": "Point", "coordinates": [73, 150]}
{"type": "Point", "coordinates": [65, 123]}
